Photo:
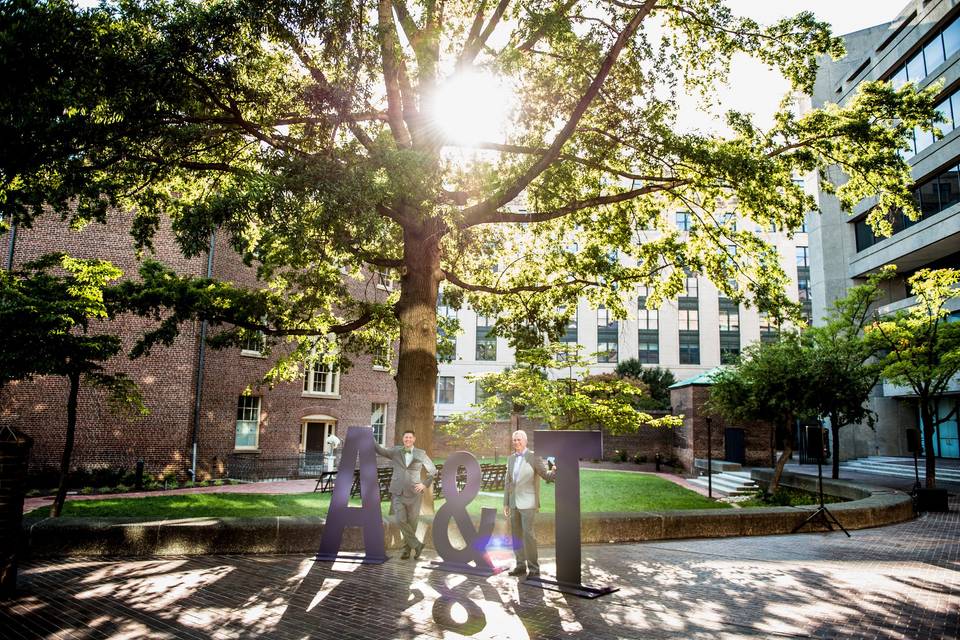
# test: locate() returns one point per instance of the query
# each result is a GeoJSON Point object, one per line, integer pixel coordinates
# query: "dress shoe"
{"type": "Point", "coordinates": [405, 554]}
{"type": "Point", "coordinates": [533, 575]}
{"type": "Point", "coordinates": [416, 552]}
{"type": "Point", "coordinates": [518, 570]}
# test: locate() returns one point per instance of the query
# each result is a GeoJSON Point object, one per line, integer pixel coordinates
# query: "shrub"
{"type": "Point", "coordinates": [640, 459]}
{"type": "Point", "coordinates": [87, 491]}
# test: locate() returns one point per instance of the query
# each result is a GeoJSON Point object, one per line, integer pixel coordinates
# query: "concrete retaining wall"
{"type": "Point", "coordinates": [194, 536]}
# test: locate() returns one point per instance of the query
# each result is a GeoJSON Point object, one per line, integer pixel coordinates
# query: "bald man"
{"type": "Point", "coordinates": [521, 501]}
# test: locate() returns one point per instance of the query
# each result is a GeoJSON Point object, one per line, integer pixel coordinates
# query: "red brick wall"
{"type": "Point", "coordinates": [103, 437]}
{"type": "Point", "coordinates": [168, 376]}
{"type": "Point", "coordinates": [690, 440]}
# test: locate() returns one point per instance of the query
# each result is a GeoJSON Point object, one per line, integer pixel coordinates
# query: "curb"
{"type": "Point", "coordinates": [871, 507]}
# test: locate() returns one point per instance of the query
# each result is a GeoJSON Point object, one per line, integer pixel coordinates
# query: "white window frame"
{"type": "Point", "coordinates": [384, 360]}
{"type": "Point", "coordinates": [453, 389]}
{"type": "Point", "coordinates": [384, 280]}
{"type": "Point", "coordinates": [242, 410]}
{"type": "Point", "coordinates": [382, 423]}
{"type": "Point", "coordinates": [253, 353]}
{"type": "Point", "coordinates": [332, 386]}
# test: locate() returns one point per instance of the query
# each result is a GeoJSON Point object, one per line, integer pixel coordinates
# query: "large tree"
{"type": "Point", "coordinates": [48, 312]}
{"type": "Point", "coordinates": [921, 350]}
{"type": "Point", "coordinates": [321, 137]}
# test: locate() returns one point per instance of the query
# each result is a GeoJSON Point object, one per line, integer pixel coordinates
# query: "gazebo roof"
{"type": "Point", "coordinates": [704, 379]}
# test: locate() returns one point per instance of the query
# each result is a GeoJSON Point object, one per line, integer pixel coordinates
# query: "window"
{"type": "Point", "coordinates": [729, 331]}
{"type": "Point", "coordinates": [730, 221]}
{"type": "Point", "coordinates": [248, 423]}
{"type": "Point", "coordinates": [690, 289]}
{"type": "Point", "coordinates": [378, 420]}
{"type": "Point", "coordinates": [607, 351]}
{"type": "Point", "coordinates": [445, 388]}
{"type": "Point", "coordinates": [648, 351]}
{"type": "Point", "coordinates": [383, 359]}
{"type": "Point", "coordinates": [486, 343]}
{"type": "Point", "coordinates": [570, 332]}
{"type": "Point", "coordinates": [689, 347]}
{"type": "Point", "coordinates": [647, 319]}
{"type": "Point", "coordinates": [803, 287]}
{"type": "Point", "coordinates": [768, 328]}
{"type": "Point", "coordinates": [253, 345]}
{"type": "Point", "coordinates": [729, 317]}
{"type": "Point", "coordinates": [384, 280]}
{"type": "Point", "coordinates": [803, 256]}
{"type": "Point", "coordinates": [607, 336]}
{"type": "Point", "coordinates": [940, 46]}
{"type": "Point", "coordinates": [321, 379]}
{"type": "Point", "coordinates": [683, 220]}
{"type": "Point", "coordinates": [688, 319]}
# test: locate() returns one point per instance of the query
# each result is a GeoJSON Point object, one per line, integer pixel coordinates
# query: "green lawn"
{"type": "Point", "coordinates": [600, 491]}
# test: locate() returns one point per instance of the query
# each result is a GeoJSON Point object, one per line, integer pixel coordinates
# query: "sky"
{"type": "Point", "coordinates": [755, 88]}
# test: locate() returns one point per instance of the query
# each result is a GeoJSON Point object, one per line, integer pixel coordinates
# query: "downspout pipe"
{"type": "Point", "coordinates": [201, 358]}
{"type": "Point", "coordinates": [13, 244]}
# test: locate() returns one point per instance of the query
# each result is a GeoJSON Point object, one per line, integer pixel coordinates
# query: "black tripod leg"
{"type": "Point", "coordinates": [827, 514]}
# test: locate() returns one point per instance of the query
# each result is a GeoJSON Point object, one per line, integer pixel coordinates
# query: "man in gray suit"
{"type": "Point", "coordinates": [406, 488]}
{"type": "Point", "coordinates": [521, 501]}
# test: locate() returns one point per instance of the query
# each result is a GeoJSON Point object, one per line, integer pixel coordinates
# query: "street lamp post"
{"type": "Point", "coordinates": [709, 458]}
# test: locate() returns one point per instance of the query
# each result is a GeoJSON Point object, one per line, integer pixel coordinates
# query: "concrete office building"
{"type": "Point", "coordinates": [921, 45]}
{"type": "Point", "coordinates": [689, 335]}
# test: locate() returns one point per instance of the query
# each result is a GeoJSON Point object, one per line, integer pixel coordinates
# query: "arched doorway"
{"type": "Point", "coordinates": [314, 431]}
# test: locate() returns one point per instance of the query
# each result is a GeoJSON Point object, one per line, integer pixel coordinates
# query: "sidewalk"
{"type": "Point", "coordinates": [892, 583]}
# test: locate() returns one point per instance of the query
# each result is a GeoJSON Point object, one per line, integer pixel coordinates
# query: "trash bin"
{"type": "Point", "coordinates": [14, 453]}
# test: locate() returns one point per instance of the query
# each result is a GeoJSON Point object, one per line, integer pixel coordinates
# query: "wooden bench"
{"type": "Point", "coordinates": [384, 476]}
{"type": "Point", "coordinates": [493, 477]}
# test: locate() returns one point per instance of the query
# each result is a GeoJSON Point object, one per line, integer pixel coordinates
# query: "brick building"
{"type": "Point", "coordinates": [747, 443]}
{"type": "Point", "coordinates": [189, 402]}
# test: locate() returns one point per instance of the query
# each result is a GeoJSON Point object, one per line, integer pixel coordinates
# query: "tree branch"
{"type": "Point", "coordinates": [394, 73]}
{"type": "Point", "coordinates": [544, 216]}
{"type": "Point", "coordinates": [483, 209]}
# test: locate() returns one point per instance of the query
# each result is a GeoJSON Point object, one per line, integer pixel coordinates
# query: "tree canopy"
{"type": "Point", "coordinates": [310, 134]}
{"type": "Point", "coordinates": [920, 349]}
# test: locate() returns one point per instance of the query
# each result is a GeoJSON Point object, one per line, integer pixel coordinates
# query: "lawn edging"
{"type": "Point", "coordinates": [870, 507]}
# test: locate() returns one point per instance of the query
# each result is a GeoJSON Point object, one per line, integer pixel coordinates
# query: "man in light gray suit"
{"type": "Point", "coordinates": [521, 501]}
{"type": "Point", "coordinates": [406, 488]}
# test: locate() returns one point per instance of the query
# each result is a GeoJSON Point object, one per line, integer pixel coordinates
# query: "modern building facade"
{"type": "Point", "coordinates": [920, 45]}
{"type": "Point", "coordinates": [201, 414]}
{"type": "Point", "coordinates": [689, 335]}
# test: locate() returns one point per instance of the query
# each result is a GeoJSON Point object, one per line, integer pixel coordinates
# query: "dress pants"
{"type": "Point", "coordinates": [524, 538]}
{"type": "Point", "coordinates": [406, 511]}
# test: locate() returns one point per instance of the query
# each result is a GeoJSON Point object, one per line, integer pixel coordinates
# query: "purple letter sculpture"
{"type": "Point", "coordinates": [568, 447]}
{"type": "Point", "coordinates": [455, 506]}
{"type": "Point", "coordinates": [359, 443]}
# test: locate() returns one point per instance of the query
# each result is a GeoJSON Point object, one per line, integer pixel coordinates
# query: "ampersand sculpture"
{"type": "Point", "coordinates": [455, 507]}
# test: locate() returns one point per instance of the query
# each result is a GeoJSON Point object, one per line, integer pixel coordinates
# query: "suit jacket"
{"type": "Point", "coordinates": [405, 477]}
{"type": "Point", "coordinates": [524, 492]}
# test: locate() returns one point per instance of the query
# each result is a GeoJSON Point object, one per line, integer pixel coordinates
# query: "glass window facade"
{"type": "Point", "coordinates": [648, 332]}
{"type": "Point", "coordinates": [607, 336]}
{"type": "Point", "coordinates": [445, 389]}
{"type": "Point", "coordinates": [933, 195]}
{"type": "Point", "coordinates": [939, 46]}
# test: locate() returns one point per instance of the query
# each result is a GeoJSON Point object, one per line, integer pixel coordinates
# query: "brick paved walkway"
{"type": "Point", "coordinates": [901, 581]}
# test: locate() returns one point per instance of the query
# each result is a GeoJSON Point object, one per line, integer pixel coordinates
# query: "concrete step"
{"type": "Point", "coordinates": [736, 483]}
{"type": "Point", "coordinates": [718, 465]}
{"type": "Point", "coordinates": [887, 467]}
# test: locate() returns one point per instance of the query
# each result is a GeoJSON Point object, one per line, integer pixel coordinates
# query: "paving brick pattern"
{"type": "Point", "coordinates": [899, 582]}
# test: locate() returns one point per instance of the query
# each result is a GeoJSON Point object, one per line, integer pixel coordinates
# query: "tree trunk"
{"type": "Point", "coordinates": [784, 456]}
{"type": "Point", "coordinates": [57, 506]}
{"type": "Point", "coordinates": [835, 430]}
{"type": "Point", "coordinates": [926, 416]}
{"type": "Point", "coordinates": [417, 313]}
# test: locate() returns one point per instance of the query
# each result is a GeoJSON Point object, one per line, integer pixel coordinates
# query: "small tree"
{"type": "Point", "coordinates": [46, 318]}
{"type": "Point", "coordinates": [656, 379]}
{"type": "Point", "coordinates": [922, 350]}
{"type": "Point", "coordinates": [770, 384]}
{"type": "Point", "coordinates": [573, 401]}
{"type": "Point", "coordinates": [842, 370]}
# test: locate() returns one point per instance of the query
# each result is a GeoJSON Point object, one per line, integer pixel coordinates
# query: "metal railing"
{"type": "Point", "coordinates": [253, 468]}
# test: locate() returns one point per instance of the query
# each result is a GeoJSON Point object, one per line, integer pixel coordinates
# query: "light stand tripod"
{"type": "Point", "coordinates": [822, 513]}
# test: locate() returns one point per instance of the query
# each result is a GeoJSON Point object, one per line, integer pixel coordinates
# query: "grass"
{"type": "Point", "coordinates": [599, 491]}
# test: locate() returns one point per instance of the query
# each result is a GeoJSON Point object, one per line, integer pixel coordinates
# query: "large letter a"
{"type": "Point", "coordinates": [359, 444]}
